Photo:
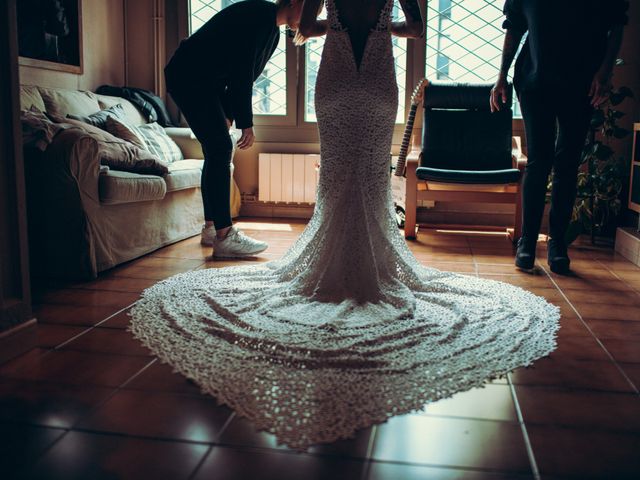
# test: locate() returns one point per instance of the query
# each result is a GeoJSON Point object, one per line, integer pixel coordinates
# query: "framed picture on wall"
{"type": "Point", "coordinates": [50, 34]}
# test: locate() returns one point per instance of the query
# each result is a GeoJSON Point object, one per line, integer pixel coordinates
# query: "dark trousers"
{"type": "Point", "coordinates": [205, 107]}
{"type": "Point", "coordinates": [556, 125]}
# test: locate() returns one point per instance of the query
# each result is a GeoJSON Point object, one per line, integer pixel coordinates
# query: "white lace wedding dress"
{"type": "Point", "coordinates": [347, 329]}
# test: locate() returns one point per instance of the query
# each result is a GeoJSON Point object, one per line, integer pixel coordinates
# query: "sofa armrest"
{"type": "Point", "coordinates": [73, 160]}
{"type": "Point", "coordinates": [187, 142]}
{"type": "Point", "coordinates": [63, 197]}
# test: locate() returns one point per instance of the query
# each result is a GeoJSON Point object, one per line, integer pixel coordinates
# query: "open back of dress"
{"type": "Point", "coordinates": [359, 18]}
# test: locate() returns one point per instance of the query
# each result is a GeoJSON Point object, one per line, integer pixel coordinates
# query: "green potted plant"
{"type": "Point", "coordinates": [602, 174]}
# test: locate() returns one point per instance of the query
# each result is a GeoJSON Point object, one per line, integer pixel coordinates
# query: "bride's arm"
{"type": "Point", "coordinates": [310, 26]}
{"type": "Point", "coordinates": [413, 26]}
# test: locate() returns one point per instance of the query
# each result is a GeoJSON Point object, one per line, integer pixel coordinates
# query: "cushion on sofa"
{"type": "Point", "coordinates": [124, 131]}
{"type": "Point", "coordinates": [38, 130]}
{"type": "Point", "coordinates": [159, 143]}
{"type": "Point", "coordinates": [184, 174]}
{"type": "Point", "coordinates": [99, 119]}
{"type": "Point", "coordinates": [132, 114]}
{"type": "Point", "coordinates": [64, 102]}
{"type": "Point", "coordinates": [119, 154]}
{"type": "Point", "coordinates": [30, 97]}
{"type": "Point", "coordinates": [150, 136]}
{"type": "Point", "coordinates": [117, 187]}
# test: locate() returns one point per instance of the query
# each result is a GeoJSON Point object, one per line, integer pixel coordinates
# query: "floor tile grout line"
{"type": "Point", "coordinates": [95, 325]}
{"type": "Point", "coordinates": [263, 450]}
{"type": "Point", "coordinates": [595, 337]}
{"type": "Point", "coordinates": [635, 290]}
{"type": "Point", "coordinates": [370, 444]}
{"type": "Point", "coordinates": [443, 466]}
{"type": "Point", "coordinates": [45, 452]}
{"type": "Point", "coordinates": [525, 434]}
{"type": "Point", "coordinates": [55, 348]}
{"type": "Point", "coordinates": [115, 391]}
{"type": "Point", "coordinates": [153, 438]}
{"type": "Point", "coordinates": [225, 425]}
{"type": "Point", "coordinates": [200, 463]}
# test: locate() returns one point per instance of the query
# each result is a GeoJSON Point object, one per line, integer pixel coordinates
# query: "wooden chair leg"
{"type": "Point", "coordinates": [517, 230]}
{"type": "Point", "coordinates": [411, 201]}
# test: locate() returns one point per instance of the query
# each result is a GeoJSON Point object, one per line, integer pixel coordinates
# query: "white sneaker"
{"type": "Point", "coordinates": [208, 235]}
{"type": "Point", "coordinates": [236, 244]}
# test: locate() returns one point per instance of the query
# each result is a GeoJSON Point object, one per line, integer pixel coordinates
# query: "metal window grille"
{"type": "Point", "coordinates": [464, 40]}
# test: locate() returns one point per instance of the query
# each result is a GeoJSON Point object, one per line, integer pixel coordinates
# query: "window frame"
{"type": "Point", "coordinates": [292, 127]}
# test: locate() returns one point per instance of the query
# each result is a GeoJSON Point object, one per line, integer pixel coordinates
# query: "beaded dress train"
{"type": "Point", "coordinates": [347, 329]}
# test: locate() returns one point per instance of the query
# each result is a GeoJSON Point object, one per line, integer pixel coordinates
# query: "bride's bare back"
{"type": "Point", "coordinates": [359, 17]}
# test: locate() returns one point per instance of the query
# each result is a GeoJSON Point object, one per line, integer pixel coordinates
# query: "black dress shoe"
{"type": "Point", "coordinates": [526, 254]}
{"type": "Point", "coordinates": [557, 257]}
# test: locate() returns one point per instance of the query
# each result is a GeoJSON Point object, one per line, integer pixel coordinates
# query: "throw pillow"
{"type": "Point", "coordinates": [99, 119]}
{"type": "Point", "coordinates": [62, 102]}
{"type": "Point", "coordinates": [37, 130]}
{"type": "Point", "coordinates": [153, 136]}
{"type": "Point", "coordinates": [118, 154]}
{"type": "Point", "coordinates": [159, 143]}
{"type": "Point", "coordinates": [121, 130]}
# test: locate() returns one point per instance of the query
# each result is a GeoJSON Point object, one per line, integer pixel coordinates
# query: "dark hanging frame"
{"type": "Point", "coordinates": [69, 48]}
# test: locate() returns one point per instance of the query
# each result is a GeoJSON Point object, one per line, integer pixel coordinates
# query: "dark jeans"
{"type": "Point", "coordinates": [556, 125]}
{"type": "Point", "coordinates": [204, 106]}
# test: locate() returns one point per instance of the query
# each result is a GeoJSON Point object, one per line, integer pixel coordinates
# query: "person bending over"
{"type": "Point", "coordinates": [210, 77]}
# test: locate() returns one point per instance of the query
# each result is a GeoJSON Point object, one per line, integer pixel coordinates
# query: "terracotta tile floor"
{"type": "Point", "coordinates": [90, 403]}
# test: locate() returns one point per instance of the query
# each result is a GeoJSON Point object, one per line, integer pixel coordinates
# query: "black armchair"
{"type": "Point", "coordinates": [467, 153]}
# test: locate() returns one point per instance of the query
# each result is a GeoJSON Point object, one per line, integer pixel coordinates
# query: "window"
{"type": "Point", "coordinates": [270, 96]}
{"type": "Point", "coordinates": [463, 43]}
{"type": "Point", "coordinates": [270, 90]}
{"type": "Point", "coordinates": [464, 40]}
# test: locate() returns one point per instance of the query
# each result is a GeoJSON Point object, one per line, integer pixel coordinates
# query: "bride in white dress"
{"type": "Point", "coordinates": [347, 329]}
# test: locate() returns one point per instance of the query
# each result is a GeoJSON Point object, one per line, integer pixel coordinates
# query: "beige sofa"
{"type": "Point", "coordinates": [84, 219]}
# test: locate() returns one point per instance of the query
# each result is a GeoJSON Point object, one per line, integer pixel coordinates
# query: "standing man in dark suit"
{"type": "Point", "coordinates": [210, 77]}
{"type": "Point", "coordinates": [563, 71]}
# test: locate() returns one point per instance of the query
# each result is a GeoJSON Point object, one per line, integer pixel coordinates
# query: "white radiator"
{"type": "Point", "coordinates": [287, 177]}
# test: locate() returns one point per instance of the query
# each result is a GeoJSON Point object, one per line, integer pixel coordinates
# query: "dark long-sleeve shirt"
{"type": "Point", "coordinates": [234, 47]}
{"type": "Point", "coordinates": [566, 42]}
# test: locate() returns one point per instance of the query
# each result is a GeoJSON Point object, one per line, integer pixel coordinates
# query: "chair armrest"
{"type": "Point", "coordinates": [187, 141]}
{"type": "Point", "coordinates": [413, 159]}
{"type": "Point", "coordinates": [519, 159]}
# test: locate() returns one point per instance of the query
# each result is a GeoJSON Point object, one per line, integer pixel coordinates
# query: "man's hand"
{"type": "Point", "coordinates": [247, 138]}
{"type": "Point", "coordinates": [600, 88]}
{"type": "Point", "coordinates": [498, 95]}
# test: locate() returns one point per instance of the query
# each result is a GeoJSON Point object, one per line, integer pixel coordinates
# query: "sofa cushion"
{"type": "Point", "coordinates": [99, 119]}
{"type": "Point", "coordinates": [122, 130]}
{"type": "Point", "coordinates": [184, 174]}
{"type": "Point", "coordinates": [151, 137]}
{"type": "Point", "coordinates": [125, 187]}
{"type": "Point", "coordinates": [132, 114]}
{"type": "Point", "coordinates": [64, 102]}
{"type": "Point", "coordinates": [30, 97]}
{"type": "Point", "coordinates": [119, 154]}
{"type": "Point", "coordinates": [37, 129]}
{"type": "Point", "coordinates": [159, 143]}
